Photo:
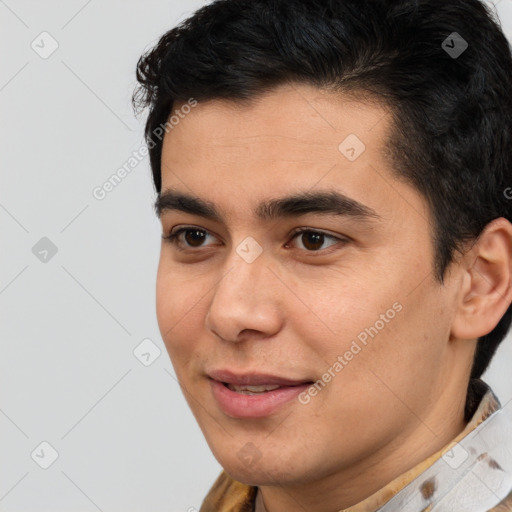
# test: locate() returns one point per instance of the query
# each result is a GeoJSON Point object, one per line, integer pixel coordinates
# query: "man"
{"type": "Point", "coordinates": [336, 264]}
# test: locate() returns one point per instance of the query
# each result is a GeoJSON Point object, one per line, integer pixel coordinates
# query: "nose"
{"type": "Point", "coordinates": [245, 301]}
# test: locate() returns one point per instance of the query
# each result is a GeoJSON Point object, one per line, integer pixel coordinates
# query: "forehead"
{"type": "Point", "coordinates": [299, 118]}
{"type": "Point", "coordinates": [292, 139]}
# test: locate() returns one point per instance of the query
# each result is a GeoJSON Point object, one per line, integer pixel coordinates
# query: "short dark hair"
{"type": "Point", "coordinates": [452, 113]}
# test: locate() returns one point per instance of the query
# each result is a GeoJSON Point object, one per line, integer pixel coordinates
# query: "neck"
{"type": "Point", "coordinates": [359, 482]}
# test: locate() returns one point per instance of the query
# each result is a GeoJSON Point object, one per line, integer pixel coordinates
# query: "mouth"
{"type": "Point", "coordinates": [261, 382]}
{"type": "Point", "coordinates": [253, 390]}
{"type": "Point", "coordinates": [254, 395]}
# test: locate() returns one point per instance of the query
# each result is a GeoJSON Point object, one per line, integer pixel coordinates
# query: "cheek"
{"type": "Point", "coordinates": [178, 305]}
{"type": "Point", "coordinates": [166, 301]}
{"type": "Point", "coordinates": [346, 309]}
{"type": "Point", "coordinates": [376, 325]}
{"type": "Point", "coordinates": [402, 360]}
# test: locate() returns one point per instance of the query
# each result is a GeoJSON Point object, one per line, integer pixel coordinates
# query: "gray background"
{"type": "Point", "coordinates": [125, 438]}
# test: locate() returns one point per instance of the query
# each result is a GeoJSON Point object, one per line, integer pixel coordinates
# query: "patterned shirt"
{"type": "Point", "coordinates": [473, 473]}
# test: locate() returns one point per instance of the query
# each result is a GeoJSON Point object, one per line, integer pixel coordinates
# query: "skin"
{"type": "Point", "coordinates": [294, 310]}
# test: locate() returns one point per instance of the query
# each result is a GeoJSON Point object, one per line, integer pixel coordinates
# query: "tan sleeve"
{"type": "Point", "coordinates": [228, 495]}
{"type": "Point", "coordinates": [504, 506]}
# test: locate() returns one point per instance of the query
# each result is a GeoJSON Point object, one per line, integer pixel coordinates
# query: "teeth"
{"type": "Point", "coordinates": [251, 390]}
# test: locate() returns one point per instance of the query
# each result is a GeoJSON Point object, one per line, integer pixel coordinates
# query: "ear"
{"type": "Point", "coordinates": [486, 291]}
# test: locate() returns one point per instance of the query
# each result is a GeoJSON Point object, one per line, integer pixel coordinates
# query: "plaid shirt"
{"type": "Point", "coordinates": [471, 474]}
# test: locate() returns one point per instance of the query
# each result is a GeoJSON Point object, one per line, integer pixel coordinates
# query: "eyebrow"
{"type": "Point", "coordinates": [327, 202]}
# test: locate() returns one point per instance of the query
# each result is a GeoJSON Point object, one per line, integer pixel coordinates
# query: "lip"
{"type": "Point", "coordinates": [253, 379]}
{"type": "Point", "coordinates": [238, 405]}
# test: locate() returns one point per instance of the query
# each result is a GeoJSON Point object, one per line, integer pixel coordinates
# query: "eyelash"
{"type": "Point", "coordinates": [173, 238]}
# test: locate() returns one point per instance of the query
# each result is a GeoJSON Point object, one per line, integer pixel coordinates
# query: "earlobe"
{"type": "Point", "coordinates": [486, 289]}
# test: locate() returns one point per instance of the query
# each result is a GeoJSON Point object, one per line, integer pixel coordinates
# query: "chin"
{"type": "Point", "coordinates": [263, 472]}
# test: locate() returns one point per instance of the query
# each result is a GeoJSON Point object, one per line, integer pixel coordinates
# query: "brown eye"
{"type": "Point", "coordinates": [312, 241]}
{"type": "Point", "coordinates": [188, 238]}
{"type": "Point", "coordinates": [194, 237]}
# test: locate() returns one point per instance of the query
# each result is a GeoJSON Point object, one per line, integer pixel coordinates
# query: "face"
{"type": "Point", "coordinates": [349, 307]}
